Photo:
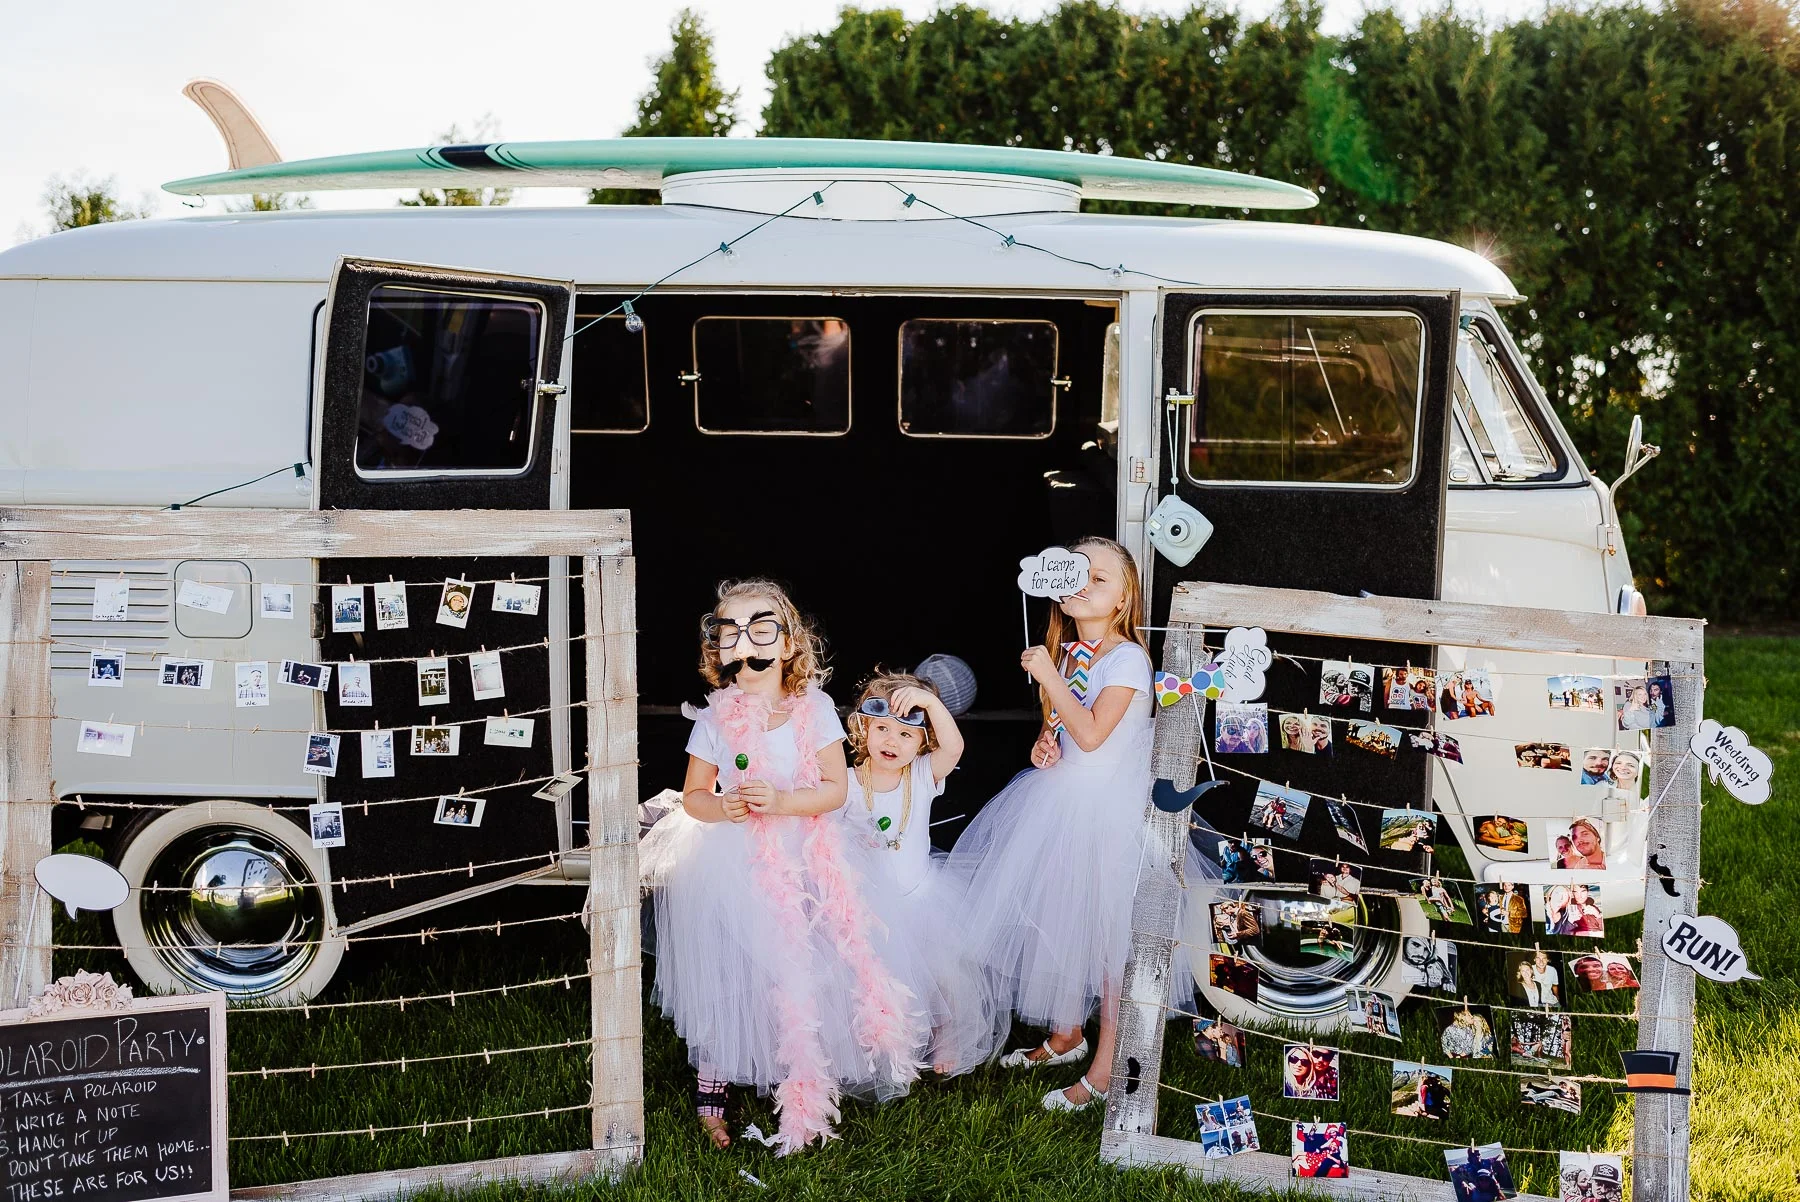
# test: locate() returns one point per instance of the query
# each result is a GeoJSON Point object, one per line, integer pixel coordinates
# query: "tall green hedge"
{"type": "Point", "coordinates": [1632, 168]}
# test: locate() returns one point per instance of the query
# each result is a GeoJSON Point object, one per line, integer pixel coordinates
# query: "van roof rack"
{"type": "Point", "coordinates": [648, 162]}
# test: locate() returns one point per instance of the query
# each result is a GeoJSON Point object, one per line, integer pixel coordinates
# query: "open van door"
{"type": "Point", "coordinates": [444, 389]}
{"type": "Point", "coordinates": [1310, 430]}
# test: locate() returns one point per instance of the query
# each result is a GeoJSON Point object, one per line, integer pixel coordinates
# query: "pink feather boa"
{"type": "Point", "coordinates": [817, 893]}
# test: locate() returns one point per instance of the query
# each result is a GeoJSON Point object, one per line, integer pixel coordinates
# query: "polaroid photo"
{"type": "Point", "coordinates": [1216, 1039]}
{"type": "Point", "coordinates": [276, 601]}
{"type": "Point", "coordinates": [1645, 703]}
{"type": "Point", "coordinates": [436, 740]}
{"type": "Point", "coordinates": [1334, 880]}
{"type": "Point", "coordinates": [326, 821]}
{"type": "Point", "coordinates": [1504, 910]}
{"type": "Point", "coordinates": [1583, 848]}
{"type": "Point", "coordinates": [1237, 923]}
{"type": "Point", "coordinates": [1532, 979]}
{"type": "Point", "coordinates": [1544, 755]}
{"type": "Point", "coordinates": [1558, 1093]}
{"type": "Point", "coordinates": [390, 605]}
{"type": "Point", "coordinates": [346, 609]}
{"type": "Point", "coordinates": [1374, 1012]}
{"type": "Point", "coordinates": [1226, 1128]}
{"type": "Point", "coordinates": [354, 686]}
{"type": "Point", "coordinates": [1345, 684]}
{"type": "Point", "coordinates": [1319, 1150]}
{"type": "Point", "coordinates": [377, 753]}
{"type": "Point", "coordinates": [1373, 736]}
{"type": "Point", "coordinates": [1240, 861]}
{"type": "Point", "coordinates": [1590, 1177]}
{"type": "Point", "coordinates": [1343, 820]}
{"type": "Point", "coordinates": [559, 787]}
{"type": "Point", "coordinates": [1576, 693]}
{"type": "Point", "coordinates": [1421, 1091]}
{"type": "Point", "coordinates": [1573, 910]}
{"type": "Point", "coordinates": [459, 811]}
{"type": "Point", "coordinates": [316, 677]}
{"type": "Point", "coordinates": [508, 732]}
{"type": "Point", "coordinates": [1479, 1174]}
{"type": "Point", "coordinates": [1409, 689]}
{"type": "Point", "coordinates": [1599, 971]}
{"type": "Point", "coordinates": [434, 681]}
{"type": "Point", "coordinates": [1626, 773]}
{"type": "Point", "coordinates": [252, 684]}
{"type": "Point", "coordinates": [1441, 902]}
{"type": "Point", "coordinates": [1408, 830]}
{"type": "Point", "coordinates": [1428, 963]}
{"type": "Point", "coordinates": [112, 600]}
{"type": "Point", "coordinates": [485, 676]}
{"type": "Point", "coordinates": [1232, 975]}
{"type": "Point", "coordinates": [1432, 742]}
{"type": "Point", "coordinates": [213, 598]}
{"type": "Point", "coordinates": [1467, 694]}
{"type": "Point", "coordinates": [1241, 728]}
{"type": "Point", "coordinates": [1308, 1073]}
{"type": "Point", "coordinates": [321, 755]}
{"type": "Point", "coordinates": [1503, 833]}
{"type": "Point", "coordinates": [105, 738]}
{"type": "Point", "coordinates": [1280, 810]}
{"type": "Point", "coordinates": [512, 597]}
{"type": "Point", "coordinates": [453, 607]}
{"type": "Point", "coordinates": [1466, 1032]}
{"type": "Point", "coordinates": [1544, 1040]}
{"type": "Point", "coordinates": [106, 669]}
{"type": "Point", "coordinates": [184, 673]}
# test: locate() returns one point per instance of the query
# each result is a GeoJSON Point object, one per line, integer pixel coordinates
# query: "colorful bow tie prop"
{"type": "Point", "coordinates": [1208, 683]}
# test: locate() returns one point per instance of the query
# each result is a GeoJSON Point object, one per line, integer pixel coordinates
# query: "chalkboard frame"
{"type": "Point", "coordinates": [214, 1006]}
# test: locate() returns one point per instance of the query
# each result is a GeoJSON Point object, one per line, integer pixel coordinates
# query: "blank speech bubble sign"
{"type": "Point", "coordinates": [82, 882]}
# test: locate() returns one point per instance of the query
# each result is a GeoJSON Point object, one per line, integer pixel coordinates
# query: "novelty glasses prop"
{"type": "Point", "coordinates": [877, 707]}
{"type": "Point", "coordinates": [723, 633]}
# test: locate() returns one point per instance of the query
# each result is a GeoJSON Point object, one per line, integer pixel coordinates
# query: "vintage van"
{"type": "Point", "coordinates": [880, 372]}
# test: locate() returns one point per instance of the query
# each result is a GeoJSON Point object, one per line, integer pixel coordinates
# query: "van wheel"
{"type": "Point", "coordinates": [1299, 986]}
{"type": "Point", "coordinates": [225, 897]}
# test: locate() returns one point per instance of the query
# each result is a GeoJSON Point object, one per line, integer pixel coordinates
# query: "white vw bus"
{"type": "Point", "coordinates": [929, 362]}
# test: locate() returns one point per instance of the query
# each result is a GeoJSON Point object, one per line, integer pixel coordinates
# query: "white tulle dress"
{"type": "Point", "coordinates": [924, 912]}
{"type": "Point", "coordinates": [1051, 864]}
{"type": "Point", "coordinates": [770, 960]}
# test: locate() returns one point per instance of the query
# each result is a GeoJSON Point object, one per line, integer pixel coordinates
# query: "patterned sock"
{"type": "Point", "coordinates": [709, 1096]}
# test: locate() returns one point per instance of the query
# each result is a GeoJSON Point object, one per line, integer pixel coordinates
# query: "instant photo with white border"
{"type": "Point", "coordinates": [511, 597]}
{"type": "Point", "coordinates": [276, 601]}
{"type": "Point", "coordinates": [459, 811]}
{"type": "Point", "coordinates": [485, 676]}
{"type": "Point", "coordinates": [390, 605]}
{"type": "Point", "coordinates": [252, 683]}
{"type": "Point", "coordinates": [454, 605]}
{"type": "Point", "coordinates": [354, 687]}
{"type": "Point", "coordinates": [434, 680]}
{"type": "Point", "coordinates": [347, 615]}
{"type": "Point", "coordinates": [213, 598]}
{"type": "Point", "coordinates": [325, 821]}
{"type": "Point", "coordinates": [184, 673]}
{"type": "Point", "coordinates": [559, 787]}
{"type": "Point", "coordinates": [321, 755]}
{"type": "Point", "coordinates": [377, 754]}
{"type": "Point", "coordinates": [106, 669]}
{"type": "Point", "coordinates": [302, 674]}
{"type": "Point", "coordinates": [508, 732]}
{"type": "Point", "coordinates": [436, 740]}
{"type": "Point", "coordinates": [105, 738]}
{"type": "Point", "coordinates": [112, 600]}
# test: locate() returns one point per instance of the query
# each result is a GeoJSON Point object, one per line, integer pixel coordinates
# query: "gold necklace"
{"type": "Point", "coordinates": [867, 779]}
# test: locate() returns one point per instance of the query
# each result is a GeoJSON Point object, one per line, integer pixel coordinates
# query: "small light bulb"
{"type": "Point", "coordinates": [633, 323]}
{"type": "Point", "coordinates": [302, 485]}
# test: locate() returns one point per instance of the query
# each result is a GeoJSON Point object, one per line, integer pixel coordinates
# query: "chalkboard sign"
{"type": "Point", "coordinates": [116, 1101]}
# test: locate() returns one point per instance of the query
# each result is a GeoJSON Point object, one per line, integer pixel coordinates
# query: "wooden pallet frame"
{"type": "Point", "coordinates": [1671, 646]}
{"type": "Point", "coordinates": [31, 537]}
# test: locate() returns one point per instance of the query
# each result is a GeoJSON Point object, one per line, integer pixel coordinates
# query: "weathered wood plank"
{"type": "Point", "coordinates": [103, 532]}
{"type": "Point", "coordinates": [1446, 623]}
{"type": "Point", "coordinates": [1659, 1162]}
{"type": "Point", "coordinates": [25, 785]}
{"type": "Point", "coordinates": [609, 593]}
{"type": "Point", "coordinates": [559, 1167]}
{"type": "Point", "coordinates": [1251, 1169]}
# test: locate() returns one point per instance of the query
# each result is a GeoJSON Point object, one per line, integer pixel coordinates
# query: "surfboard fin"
{"type": "Point", "coordinates": [246, 145]}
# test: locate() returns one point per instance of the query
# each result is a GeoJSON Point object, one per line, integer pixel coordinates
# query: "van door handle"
{"type": "Point", "coordinates": [688, 377]}
{"type": "Point", "coordinates": [550, 388]}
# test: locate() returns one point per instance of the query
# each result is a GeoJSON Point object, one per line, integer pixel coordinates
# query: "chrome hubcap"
{"type": "Point", "coordinates": [1306, 980]}
{"type": "Point", "coordinates": [232, 909]}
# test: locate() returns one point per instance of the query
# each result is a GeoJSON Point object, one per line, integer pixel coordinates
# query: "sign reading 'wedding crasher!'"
{"type": "Point", "coordinates": [1732, 762]}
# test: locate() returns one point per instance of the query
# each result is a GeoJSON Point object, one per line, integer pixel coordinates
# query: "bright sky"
{"type": "Point", "coordinates": [96, 86]}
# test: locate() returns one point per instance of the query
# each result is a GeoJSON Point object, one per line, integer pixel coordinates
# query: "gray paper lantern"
{"type": "Point", "coordinates": [954, 679]}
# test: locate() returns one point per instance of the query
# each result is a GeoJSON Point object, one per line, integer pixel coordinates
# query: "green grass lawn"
{"type": "Point", "coordinates": [984, 1135]}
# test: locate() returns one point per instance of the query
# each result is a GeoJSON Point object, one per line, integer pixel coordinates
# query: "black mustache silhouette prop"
{"type": "Point", "coordinates": [730, 670]}
{"type": "Point", "coordinates": [1171, 800]}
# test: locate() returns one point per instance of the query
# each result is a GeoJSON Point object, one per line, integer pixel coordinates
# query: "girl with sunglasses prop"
{"type": "Point", "coordinates": [1052, 861]}
{"type": "Point", "coordinates": [769, 960]}
{"type": "Point", "coordinates": [903, 745]}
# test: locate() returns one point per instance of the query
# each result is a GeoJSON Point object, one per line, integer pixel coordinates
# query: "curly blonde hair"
{"type": "Point", "coordinates": [804, 668]}
{"type": "Point", "coordinates": [884, 685]}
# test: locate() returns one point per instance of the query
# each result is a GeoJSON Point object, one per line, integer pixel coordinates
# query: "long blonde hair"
{"type": "Point", "coordinates": [1126, 622]}
{"type": "Point", "coordinates": [884, 685]}
{"type": "Point", "coordinates": [807, 666]}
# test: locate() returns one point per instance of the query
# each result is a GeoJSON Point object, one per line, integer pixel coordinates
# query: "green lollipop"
{"type": "Point", "coordinates": [743, 762]}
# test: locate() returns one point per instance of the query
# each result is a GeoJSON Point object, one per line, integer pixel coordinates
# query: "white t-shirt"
{"type": "Point", "coordinates": [908, 866]}
{"type": "Point", "coordinates": [1125, 666]}
{"type": "Point", "coordinates": [707, 742]}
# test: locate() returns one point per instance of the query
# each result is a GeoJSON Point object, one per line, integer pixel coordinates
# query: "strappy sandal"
{"type": "Point", "coordinates": [1022, 1058]}
{"type": "Point", "coordinates": [1058, 1099]}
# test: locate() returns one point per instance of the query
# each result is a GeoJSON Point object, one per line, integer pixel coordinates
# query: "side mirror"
{"type": "Point", "coordinates": [1637, 453]}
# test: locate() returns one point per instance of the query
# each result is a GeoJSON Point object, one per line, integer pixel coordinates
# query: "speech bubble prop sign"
{"type": "Point", "coordinates": [82, 882]}
{"type": "Point", "coordinates": [1058, 573]}
{"type": "Point", "coordinates": [1244, 660]}
{"type": "Point", "coordinates": [1732, 762]}
{"type": "Point", "coordinates": [1707, 945]}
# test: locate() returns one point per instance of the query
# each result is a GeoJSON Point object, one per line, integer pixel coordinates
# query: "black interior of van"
{"type": "Point", "coordinates": [895, 504]}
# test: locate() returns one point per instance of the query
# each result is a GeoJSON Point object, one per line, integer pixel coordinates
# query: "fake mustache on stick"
{"type": "Point", "coordinates": [729, 671]}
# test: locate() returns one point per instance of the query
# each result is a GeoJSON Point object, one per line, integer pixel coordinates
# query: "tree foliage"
{"type": "Point", "coordinates": [685, 99]}
{"type": "Point", "coordinates": [485, 130]}
{"type": "Point", "coordinates": [269, 202]}
{"type": "Point", "coordinates": [1632, 168]}
{"type": "Point", "coordinates": [76, 200]}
